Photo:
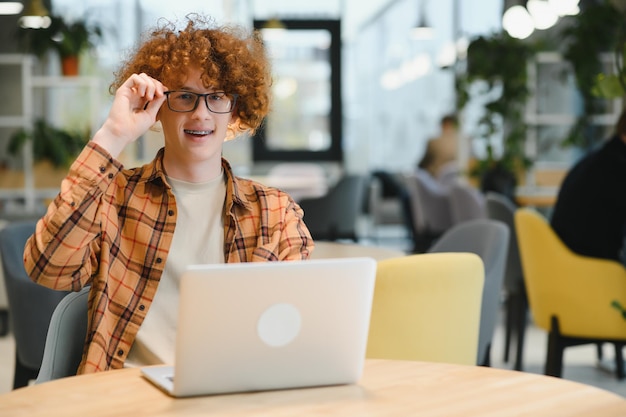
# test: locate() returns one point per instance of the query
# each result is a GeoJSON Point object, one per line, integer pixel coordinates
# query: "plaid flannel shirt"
{"type": "Point", "coordinates": [112, 228]}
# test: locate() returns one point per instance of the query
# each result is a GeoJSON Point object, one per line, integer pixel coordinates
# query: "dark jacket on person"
{"type": "Point", "coordinates": [590, 212]}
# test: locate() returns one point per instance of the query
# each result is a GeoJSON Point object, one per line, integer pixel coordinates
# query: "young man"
{"type": "Point", "coordinates": [130, 233]}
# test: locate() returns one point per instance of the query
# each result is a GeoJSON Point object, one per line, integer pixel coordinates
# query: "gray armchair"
{"type": "Point", "coordinates": [66, 338]}
{"type": "Point", "coordinates": [335, 215]}
{"type": "Point", "coordinates": [488, 239]}
{"type": "Point", "coordinates": [430, 208]}
{"type": "Point", "coordinates": [500, 207]}
{"type": "Point", "coordinates": [30, 304]}
{"type": "Point", "coordinates": [466, 202]}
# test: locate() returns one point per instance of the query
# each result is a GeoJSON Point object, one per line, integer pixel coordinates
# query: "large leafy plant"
{"type": "Point", "coordinates": [599, 29]}
{"type": "Point", "coordinates": [499, 62]}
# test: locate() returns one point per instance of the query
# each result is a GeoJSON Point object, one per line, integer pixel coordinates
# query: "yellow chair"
{"type": "Point", "coordinates": [427, 307]}
{"type": "Point", "coordinates": [572, 297]}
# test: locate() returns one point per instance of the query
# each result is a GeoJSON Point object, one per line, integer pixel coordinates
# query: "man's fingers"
{"type": "Point", "coordinates": [144, 86]}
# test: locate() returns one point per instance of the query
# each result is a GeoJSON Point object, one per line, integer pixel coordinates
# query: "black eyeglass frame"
{"type": "Point", "coordinates": [198, 96]}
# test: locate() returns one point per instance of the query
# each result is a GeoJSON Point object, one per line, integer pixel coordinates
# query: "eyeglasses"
{"type": "Point", "coordinates": [186, 101]}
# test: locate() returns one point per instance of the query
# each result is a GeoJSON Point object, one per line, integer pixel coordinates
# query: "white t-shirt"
{"type": "Point", "coordinates": [198, 239]}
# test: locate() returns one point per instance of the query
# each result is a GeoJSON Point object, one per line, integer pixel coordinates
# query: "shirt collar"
{"type": "Point", "coordinates": [155, 173]}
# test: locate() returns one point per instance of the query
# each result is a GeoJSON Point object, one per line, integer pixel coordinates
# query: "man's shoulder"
{"type": "Point", "coordinates": [251, 186]}
{"type": "Point", "coordinates": [252, 192]}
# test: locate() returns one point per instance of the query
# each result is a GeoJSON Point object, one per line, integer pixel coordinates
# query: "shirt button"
{"type": "Point", "coordinates": [170, 212]}
{"type": "Point", "coordinates": [102, 169]}
{"type": "Point", "coordinates": [159, 260]}
{"type": "Point", "coordinates": [72, 204]}
{"type": "Point", "coordinates": [142, 307]}
{"type": "Point", "coordinates": [110, 175]}
{"type": "Point", "coordinates": [120, 352]}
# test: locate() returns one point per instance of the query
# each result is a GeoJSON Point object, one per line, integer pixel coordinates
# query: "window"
{"type": "Point", "coordinates": [305, 119]}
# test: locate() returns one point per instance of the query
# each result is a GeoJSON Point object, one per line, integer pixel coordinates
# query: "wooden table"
{"type": "Point", "coordinates": [324, 249]}
{"type": "Point", "coordinates": [390, 388]}
{"type": "Point", "coordinates": [540, 197]}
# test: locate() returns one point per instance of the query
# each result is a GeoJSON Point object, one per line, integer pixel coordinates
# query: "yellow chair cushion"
{"type": "Point", "coordinates": [579, 290]}
{"type": "Point", "coordinates": [427, 307]}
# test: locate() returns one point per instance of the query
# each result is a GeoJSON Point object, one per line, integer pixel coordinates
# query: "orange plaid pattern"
{"type": "Point", "coordinates": [112, 228]}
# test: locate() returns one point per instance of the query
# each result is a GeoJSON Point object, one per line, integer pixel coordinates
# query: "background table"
{"type": "Point", "coordinates": [540, 197]}
{"type": "Point", "coordinates": [324, 249]}
{"type": "Point", "coordinates": [390, 388]}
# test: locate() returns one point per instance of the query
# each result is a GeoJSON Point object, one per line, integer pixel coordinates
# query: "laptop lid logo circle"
{"type": "Point", "coordinates": [279, 324]}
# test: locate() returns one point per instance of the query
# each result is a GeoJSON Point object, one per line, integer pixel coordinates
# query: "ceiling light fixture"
{"type": "Point", "coordinates": [422, 31]}
{"type": "Point", "coordinates": [520, 21]}
{"type": "Point", "coordinates": [542, 13]}
{"type": "Point", "coordinates": [274, 29]}
{"type": "Point", "coordinates": [10, 7]}
{"type": "Point", "coordinates": [565, 7]}
{"type": "Point", "coordinates": [274, 23]}
{"type": "Point", "coordinates": [35, 16]}
{"type": "Point", "coordinates": [517, 22]}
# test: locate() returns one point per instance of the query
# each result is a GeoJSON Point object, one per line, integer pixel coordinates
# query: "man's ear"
{"type": "Point", "coordinates": [233, 127]}
{"type": "Point", "coordinates": [233, 123]}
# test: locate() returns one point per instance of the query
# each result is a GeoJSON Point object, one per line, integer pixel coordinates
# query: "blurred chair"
{"type": "Point", "coordinates": [336, 215]}
{"type": "Point", "coordinates": [466, 202]}
{"type": "Point", "coordinates": [449, 173]}
{"type": "Point", "coordinates": [386, 203]}
{"type": "Point", "coordinates": [430, 208]}
{"type": "Point", "coordinates": [30, 304]}
{"type": "Point", "coordinates": [66, 338]}
{"type": "Point", "coordinates": [500, 207]}
{"type": "Point", "coordinates": [4, 303]}
{"type": "Point", "coordinates": [426, 307]}
{"type": "Point", "coordinates": [488, 239]}
{"type": "Point", "coordinates": [576, 299]}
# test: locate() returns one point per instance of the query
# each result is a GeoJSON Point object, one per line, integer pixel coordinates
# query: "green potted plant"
{"type": "Point", "coordinates": [57, 146]}
{"type": "Point", "coordinates": [599, 28]}
{"type": "Point", "coordinates": [499, 62]}
{"type": "Point", "coordinates": [612, 85]}
{"type": "Point", "coordinates": [68, 38]}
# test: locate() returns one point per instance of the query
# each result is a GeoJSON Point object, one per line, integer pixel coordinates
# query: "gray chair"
{"type": "Point", "coordinates": [30, 304]}
{"type": "Point", "coordinates": [488, 239]}
{"type": "Point", "coordinates": [466, 202]}
{"type": "Point", "coordinates": [384, 201]}
{"type": "Point", "coordinates": [387, 204]}
{"type": "Point", "coordinates": [500, 207]}
{"type": "Point", "coordinates": [4, 303]}
{"type": "Point", "coordinates": [335, 215]}
{"type": "Point", "coordinates": [430, 208]}
{"type": "Point", "coordinates": [66, 338]}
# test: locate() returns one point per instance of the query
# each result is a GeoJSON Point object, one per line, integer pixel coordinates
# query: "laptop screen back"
{"type": "Point", "coordinates": [262, 326]}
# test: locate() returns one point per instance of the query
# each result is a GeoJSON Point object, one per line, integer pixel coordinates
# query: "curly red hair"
{"type": "Point", "coordinates": [230, 57]}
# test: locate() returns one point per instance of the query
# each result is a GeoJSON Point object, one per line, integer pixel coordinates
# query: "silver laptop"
{"type": "Point", "coordinates": [273, 325]}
